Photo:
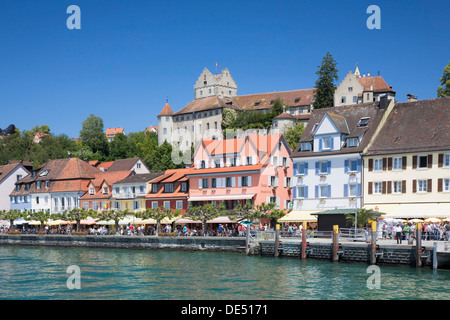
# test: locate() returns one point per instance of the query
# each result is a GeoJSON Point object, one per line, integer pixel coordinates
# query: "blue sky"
{"type": "Point", "coordinates": [129, 56]}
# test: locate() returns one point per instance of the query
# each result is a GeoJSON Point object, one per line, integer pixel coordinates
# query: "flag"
{"type": "Point", "coordinates": [217, 64]}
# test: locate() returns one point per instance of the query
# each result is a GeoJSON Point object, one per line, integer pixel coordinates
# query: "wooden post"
{"type": "Point", "coordinates": [373, 241]}
{"type": "Point", "coordinates": [277, 239]}
{"type": "Point", "coordinates": [304, 240]}
{"type": "Point", "coordinates": [247, 239]}
{"type": "Point", "coordinates": [435, 262]}
{"type": "Point", "coordinates": [335, 242]}
{"type": "Point", "coordinates": [418, 244]}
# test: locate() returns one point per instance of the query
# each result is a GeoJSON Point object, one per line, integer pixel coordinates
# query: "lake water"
{"type": "Point", "coordinates": [41, 273]}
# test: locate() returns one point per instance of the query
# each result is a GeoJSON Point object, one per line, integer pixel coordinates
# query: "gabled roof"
{"type": "Point", "coordinates": [166, 111]}
{"type": "Point", "coordinates": [123, 164]}
{"type": "Point", "coordinates": [7, 169]}
{"type": "Point", "coordinates": [415, 127]}
{"type": "Point", "coordinates": [340, 122]}
{"type": "Point", "coordinates": [352, 115]}
{"type": "Point", "coordinates": [206, 104]}
{"type": "Point", "coordinates": [263, 101]}
{"type": "Point", "coordinates": [140, 178]}
{"type": "Point", "coordinates": [375, 84]}
{"type": "Point", "coordinates": [113, 131]}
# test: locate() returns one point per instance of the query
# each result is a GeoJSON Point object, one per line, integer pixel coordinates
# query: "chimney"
{"type": "Point", "coordinates": [411, 98]}
{"type": "Point", "coordinates": [384, 102]}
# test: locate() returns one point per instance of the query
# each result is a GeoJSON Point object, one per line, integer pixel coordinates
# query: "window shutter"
{"type": "Point", "coordinates": [414, 162]}
{"type": "Point", "coordinates": [329, 191]}
{"type": "Point", "coordinates": [316, 191]}
{"type": "Point", "coordinates": [306, 169]}
{"type": "Point", "coordinates": [233, 181]}
{"type": "Point", "coordinates": [383, 187]}
{"type": "Point", "coordinates": [404, 163]}
{"type": "Point", "coordinates": [277, 201]}
{"type": "Point", "coordinates": [440, 184]}
{"type": "Point", "coordinates": [384, 164]}
{"type": "Point", "coordinates": [345, 166]}
{"type": "Point", "coordinates": [430, 161]}
{"type": "Point", "coordinates": [238, 161]}
{"type": "Point", "coordinates": [296, 169]}
{"type": "Point", "coordinates": [239, 179]}
{"type": "Point", "coordinates": [369, 188]}
{"type": "Point", "coordinates": [198, 164]}
{"type": "Point", "coordinates": [249, 181]}
{"type": "Point", "coordinates": [221, 162]}
{"type": "Point", "coordinates": [414, 182]}
{"type": "Point", "coordinates": [403, 186]}
{"type": "Point", "coordinates": [285, 182]}
{"type": "Point", "coordinates": [345, 190]}
{"type": "Point", "coordinates": [332, 143]}
{"type": "Point", "coordinates": [329, 167]}
{"type": "Point", "coordinates": [276, 181]}
{"type": "Point", "coordinates": [429, 185]}
{"type": "Point", "coordinates": [305, 192]}
{"type": "Point", "coordinates": [359, 164]}
{"type": "Point", "coordinates": [440, 160]}
{"type": "Point", "coordinates": [370, 164]}
{"type": "Point", "coordinates": [390, 163]}
{"type": "Point", "coordinates": [228, 162]}
{"type": "Point", "coordinates": [294, 192]}
{"type": "Point", "coordinates": [389, 187]}
{"type": "Point", "coordinates": [359, 194]}
{"type": "Point", "coordinates": [317, 167]}
{"type": "Point", "coordinates": [200, 183]}
{"type": "Point", "coordinates": [320, 144]}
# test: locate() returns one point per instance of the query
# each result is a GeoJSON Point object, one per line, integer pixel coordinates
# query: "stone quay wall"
{"type": "Point", "coordinates": [129, 242]}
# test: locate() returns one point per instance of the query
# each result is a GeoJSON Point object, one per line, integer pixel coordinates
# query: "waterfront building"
{"type": "Point", "coordinates": [407, 167]}
{"type": "Point", "coordinates": [129, 193]}
{"type": "Point", "coordinates": [170, 190]}
{"type": "Point", "coordinates": [356, 89]}
{"type": "Point", "coordinates": [10, 174]}
{"type": "Point", "coordinates": [327, 162]}
{"type": "Point", "coordinates": [254, 167]}
{"type": "Point", "coordinates": [98, 196]}
{"type": "Point", "coordinates": [57, 185]}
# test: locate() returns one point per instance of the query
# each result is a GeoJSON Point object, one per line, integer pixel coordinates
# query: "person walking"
{"type": "Point", "coordinates": [398, 234]}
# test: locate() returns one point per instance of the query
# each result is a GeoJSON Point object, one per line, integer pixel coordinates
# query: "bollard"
{"type": "Point", "coordinates": [304, 240]}
{"type": "Point", "coordinates": [418, 245]}
{"type": "Point", "coordinates": [373, 241]}
{"type": "Point", "coordinates": [435, 262]}
{"type": "Point", "coordinates": [277, 239]}
{"type": "Point", "coordinates": [335, 242]}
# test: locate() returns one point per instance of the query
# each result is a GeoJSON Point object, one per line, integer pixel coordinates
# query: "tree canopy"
{"type": "Point", "coordinates": [444, 91]}
{"type": "Point", "coordinates": [325, 86]}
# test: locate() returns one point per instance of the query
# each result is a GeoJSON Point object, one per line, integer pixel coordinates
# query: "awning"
{"type": "Point", "coordinates": [221, 219]}
{"type": "Point", "coordinates": [186, 221]}
{"type": "Point", "coordinates": [299, 216]}
{"type": "Point", "coordinates": [89, 221]}
{"type": "Point", "coordinates": [421, 210]}
{"type": "Point", "coordinates": [223, 197]}
{"type": "Point", "coordinates": [384, 209]}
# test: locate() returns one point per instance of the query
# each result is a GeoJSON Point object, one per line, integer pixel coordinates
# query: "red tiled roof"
{"type": "Point", "coordinates": [113, 131]}
{"type": "Point", "coordinates": [375, 84]}
{"type": "Point", "coordinates": [260, 101]}
{"type": "Point", "coordinates": [166, 111]}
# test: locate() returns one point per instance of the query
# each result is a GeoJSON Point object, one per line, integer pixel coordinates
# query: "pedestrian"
{"type": "Point", "coordinates": [398, 234]}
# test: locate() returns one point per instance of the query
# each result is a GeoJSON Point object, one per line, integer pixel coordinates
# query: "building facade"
{"type": "Point", "coordinates": [407, 168]}
{"type": "Point", "coordinates": [10, 174]}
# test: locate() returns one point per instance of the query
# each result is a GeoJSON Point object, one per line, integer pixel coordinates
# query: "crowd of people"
{"type": "Point", "coordinates": [438, 231]}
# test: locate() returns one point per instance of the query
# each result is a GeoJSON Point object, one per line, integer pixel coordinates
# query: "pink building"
{"type": "Point", "coordinates": [256, 168]}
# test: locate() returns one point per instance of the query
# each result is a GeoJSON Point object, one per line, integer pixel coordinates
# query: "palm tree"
{"type": "Point", "coordinates": [362, 217]}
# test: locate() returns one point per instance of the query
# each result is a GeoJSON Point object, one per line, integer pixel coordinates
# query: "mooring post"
{"type": "Point", "coordinates": [435, 262]}
{"type": "Point", "coordinates": [277, 239]}
{"type": "Point", "coordinates": [418, 244]}
{"type": "Point", "coordinates": [373, 241]}
{"type": "Point", "coordinates": [304, 240]}
{"type": "Point", "coordinates": [335, 242]}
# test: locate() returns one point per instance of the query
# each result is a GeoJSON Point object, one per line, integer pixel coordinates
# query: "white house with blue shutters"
{"type": "Point", "coordinates": [327, 162]}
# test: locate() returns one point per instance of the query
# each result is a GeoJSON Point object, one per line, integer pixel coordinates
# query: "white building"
{"type": "Point", "coordinates": [9, 175]}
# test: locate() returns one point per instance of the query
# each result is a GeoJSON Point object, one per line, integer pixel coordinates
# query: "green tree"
{"type": "Point", "coordinates": [228, 117]}
{"type": "Point", "coordinates": [244, 211]}
{"type": "Point", "coordinates": [77, 215]}
{"type": "Point", "coordinates": [158, 214]}
{"type": "Point", "coordinates": [444, 91]}
{"type": "Point", "coordinates": [11, 215]}
{"type": "Point", "coordinates": [325, 87]}
{"type": "Point", "coordinates": [93, 136]}
{"type": "Point", "coordinates": [114, 215]}
{"type": "Point", "coordinates": [121, 147]}
{"type": "Point", "coordinates": [204, 213]}
{"type": "Point", "coordinates": [41, 216]}
{"type": "Point", "coordinates": [269, 211]}
{"type": "Point", "coordinates": [293, 134]}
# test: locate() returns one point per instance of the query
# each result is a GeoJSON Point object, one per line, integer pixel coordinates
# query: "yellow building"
{"type": "Point", "coordinates": [407, 168]}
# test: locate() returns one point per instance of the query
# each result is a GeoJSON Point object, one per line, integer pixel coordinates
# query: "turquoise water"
{"type": "Point", "coordinates": [40, 273]}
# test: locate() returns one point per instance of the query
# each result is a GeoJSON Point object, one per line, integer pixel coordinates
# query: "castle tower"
{"type": "Point", "coordinates": [165, 124]}
{"type": "Point", "coordinates": [221, 85]}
